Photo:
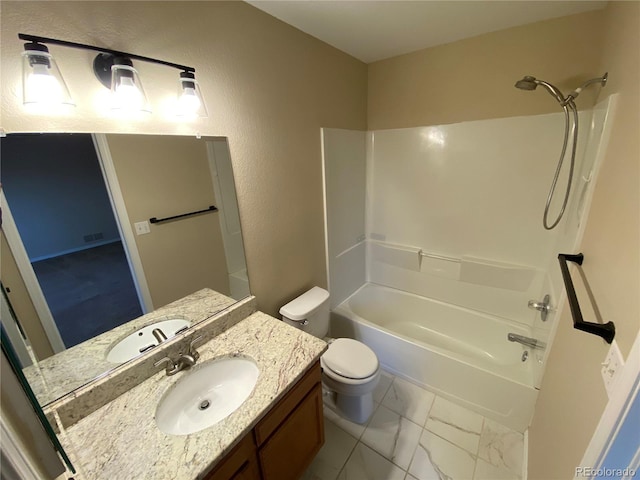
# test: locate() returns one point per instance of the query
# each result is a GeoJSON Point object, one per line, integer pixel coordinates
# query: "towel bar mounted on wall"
{"type": "Point", "coordinates": [604, 330]}
{"type": "Point", "coordinates": [160, 220]}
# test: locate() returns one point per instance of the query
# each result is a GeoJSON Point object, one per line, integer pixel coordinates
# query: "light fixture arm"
{"type": "Point", "coordinates": [116, 53]}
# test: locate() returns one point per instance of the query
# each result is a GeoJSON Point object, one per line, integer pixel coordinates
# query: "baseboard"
{"type": "Point", "coordinates": [74, 250]}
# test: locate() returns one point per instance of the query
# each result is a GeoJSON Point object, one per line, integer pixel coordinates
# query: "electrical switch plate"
{"type": "Point", "coordinates": [612, 367]}
{"type": "Point", "coordinates": [142, 228]}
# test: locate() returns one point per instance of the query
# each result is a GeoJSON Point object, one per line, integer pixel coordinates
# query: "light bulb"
{"type": "Point", "coordinates": [127, 95]}
{"type": "Point", "coordinates": [43, 86]}
{"type": "Point", "coordinates": [189, 101]}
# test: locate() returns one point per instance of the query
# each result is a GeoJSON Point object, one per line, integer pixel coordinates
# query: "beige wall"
{"type": "Point", "coordinates": [162, 176]}
{"type": "Point", "coordinates": [572, 396]}
{"type": "Point", "coordinates": [269, 88]}
{"type": "Point", "coordinates": [474, 79]}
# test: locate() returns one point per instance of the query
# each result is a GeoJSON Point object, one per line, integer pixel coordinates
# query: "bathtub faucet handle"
{"type": "Point", "coordinates": [543, 307]}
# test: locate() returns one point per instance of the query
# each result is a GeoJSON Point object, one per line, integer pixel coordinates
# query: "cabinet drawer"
{"type": "Point", "coordinates": [241, 463]}
{"type": "Point", "coordinates": [287, 404]}
{"type": "Point", "coordinates": [292, 447]}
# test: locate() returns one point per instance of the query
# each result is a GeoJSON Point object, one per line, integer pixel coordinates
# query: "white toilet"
{"type": "Point", "coordinates": [350, 369]}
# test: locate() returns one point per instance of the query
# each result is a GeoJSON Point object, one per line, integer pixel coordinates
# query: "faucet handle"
{"type": "Point", "coordinates": [171, 367]}
{"type": "Point", "coordinates": [192, 351]}
{"type": "Point", "coordinates": [543, 307]}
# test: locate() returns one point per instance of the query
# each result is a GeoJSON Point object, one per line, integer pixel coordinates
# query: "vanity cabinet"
{"type": "Point", "coordinates": [283, 444]}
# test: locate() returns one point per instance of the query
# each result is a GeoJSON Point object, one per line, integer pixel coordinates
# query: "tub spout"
{"type": "Point", "coordinates": [526, 341]}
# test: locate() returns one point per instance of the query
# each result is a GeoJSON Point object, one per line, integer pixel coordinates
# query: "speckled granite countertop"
{"type": "Point", "coordinates": [121, 439]}
{"type": "Point", "coordinates": [62, 373]}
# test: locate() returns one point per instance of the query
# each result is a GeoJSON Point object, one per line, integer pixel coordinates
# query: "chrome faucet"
{"type": "Point", "coordinates": [159, 335]}
{"type": "Point", "coordinates": [526, 341]}
{"type": "Point", "coordinates": [184, 361]}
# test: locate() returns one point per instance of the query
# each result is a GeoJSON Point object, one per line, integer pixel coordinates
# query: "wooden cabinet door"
{"type": "Point", "coordinates": [290, 450]}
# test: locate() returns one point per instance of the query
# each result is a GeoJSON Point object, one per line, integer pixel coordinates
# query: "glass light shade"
{"type": "Point", "coordinates": [190, 101]}
{"type": "Point", "coordinates": [42, 82]}
{"type": "Point", "coordinates": [127, 94]}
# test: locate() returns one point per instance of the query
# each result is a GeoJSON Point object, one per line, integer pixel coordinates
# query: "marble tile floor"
{"type": "Point", "coordinates": [416, 435]}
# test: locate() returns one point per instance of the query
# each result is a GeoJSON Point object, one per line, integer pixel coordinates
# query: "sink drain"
{"type": "Point", "coordinates": [204, 405]}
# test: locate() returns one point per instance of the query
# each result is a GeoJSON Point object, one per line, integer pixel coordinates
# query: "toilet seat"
{"type": "Point", "coordinates": [350, 359]}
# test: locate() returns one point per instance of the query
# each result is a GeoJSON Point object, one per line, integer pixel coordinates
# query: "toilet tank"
{"type": "Point", "coordinates": [309, 312]}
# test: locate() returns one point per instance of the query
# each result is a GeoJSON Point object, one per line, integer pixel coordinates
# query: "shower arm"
{"type": "Point", "coordinates": [601, 80]}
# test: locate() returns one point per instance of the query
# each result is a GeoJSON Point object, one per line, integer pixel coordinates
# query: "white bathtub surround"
{"type": "Point", "coordinates": [503, 275]}
{"type": "Point", "coordinates": [344, 172]}
{"type": "Point", "coordinates": [392, 447]}
{"type": "Point", "coordinates": [443, 280]}
{"type": "Point", "coordinates": [480, 191]}
{"type": "Point", "coordinates": [399, 255]}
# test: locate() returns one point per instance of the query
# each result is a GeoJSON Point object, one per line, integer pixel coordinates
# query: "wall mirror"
{"type": "Point", "coordinates": [99, 229]}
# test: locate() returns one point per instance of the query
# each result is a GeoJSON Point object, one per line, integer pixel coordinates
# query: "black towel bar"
{"type": "Point", "coordinates": [604, 330]}
{"type": "Point", "coordinates": [160, 220]}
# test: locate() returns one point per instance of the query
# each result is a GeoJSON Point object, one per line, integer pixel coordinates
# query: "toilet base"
{"type": "Point", "coordinates": [356, 409]}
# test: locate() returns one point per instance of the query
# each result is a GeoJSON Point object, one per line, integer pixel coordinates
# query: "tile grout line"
{"type": "Point", "coordinates": [475, 465]}
{"type": "Point", "coordinates": [423, 427]}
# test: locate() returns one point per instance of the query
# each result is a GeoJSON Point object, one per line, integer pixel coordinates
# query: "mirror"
{"type": "Point", "coordinates": [99, 229]}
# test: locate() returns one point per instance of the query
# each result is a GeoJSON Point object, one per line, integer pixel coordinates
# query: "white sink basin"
{"type": "Point", "coordinates": [142, 340]}
{"type": "Point", "coordinates": [206, 395]}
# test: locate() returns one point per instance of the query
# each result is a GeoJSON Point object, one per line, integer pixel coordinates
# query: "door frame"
{"type": "Point", "coordinates": [123, 222]}
{"type": "Point", "coordinates": [29, 277]}
{"type": "Point", "coordinates": [626, 390]}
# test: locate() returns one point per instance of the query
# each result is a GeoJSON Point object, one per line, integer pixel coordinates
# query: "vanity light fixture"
{"type": "Point", "coordinates": [117, 74]}
{"type": "Point", "coordinates": [43, 83]}
{"type": "Point", "coordinates": [190, 101]}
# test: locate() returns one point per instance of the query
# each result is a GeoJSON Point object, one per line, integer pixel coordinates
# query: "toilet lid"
{"type": "Point", "coordinates": [350, 358]}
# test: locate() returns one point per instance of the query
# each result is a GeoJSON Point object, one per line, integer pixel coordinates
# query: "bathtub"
{"type": "Point", "coordinates": [458, 353]}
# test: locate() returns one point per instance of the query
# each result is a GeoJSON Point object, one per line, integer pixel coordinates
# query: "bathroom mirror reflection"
{"type": "Point", "coordinates": [100, 229]}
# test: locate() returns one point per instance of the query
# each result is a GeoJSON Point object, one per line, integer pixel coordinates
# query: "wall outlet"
{"type": "Point", "coordinates": [142, 228]}
{"type": "Point", "coordinates": [611, 367]}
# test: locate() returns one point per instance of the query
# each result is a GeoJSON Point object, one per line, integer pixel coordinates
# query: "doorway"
{"type": "Point", "coordinates": [54, 187]}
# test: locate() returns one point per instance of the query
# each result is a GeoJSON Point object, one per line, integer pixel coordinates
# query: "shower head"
{"type": "Point", "coordinates": [527, 83]}
{"type": "Point", "coordinates": [530, 83]}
